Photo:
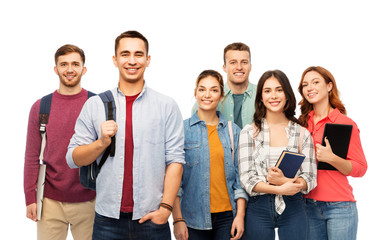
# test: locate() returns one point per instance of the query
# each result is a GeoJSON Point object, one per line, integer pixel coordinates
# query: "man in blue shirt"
{"type": "Point", "coordinates": [136, 188]}
{"type": "Point", "coordinates": [239, 94]}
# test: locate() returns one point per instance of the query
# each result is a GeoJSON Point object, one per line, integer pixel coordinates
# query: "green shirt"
{"type": "Point", "coordinates": [226, 107]}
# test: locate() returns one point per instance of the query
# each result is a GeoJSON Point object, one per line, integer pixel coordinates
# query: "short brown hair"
{"type": "Point", "coordinates": [212, 73]}
{"type": "Point", "coordinates": [237, 46]}
{"type": "Point", "coordinates": [69, 48]}
{"type": "Point", "coordinates": [131, 34]}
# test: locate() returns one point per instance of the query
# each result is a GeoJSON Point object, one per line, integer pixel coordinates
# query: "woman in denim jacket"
{"type": "Point", "coordinates": [211, 202]}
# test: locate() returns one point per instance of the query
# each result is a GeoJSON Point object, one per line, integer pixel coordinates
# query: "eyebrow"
{"type": "Point", "coordinates": [272, 88]}
{"type": "Point", "coordinates": [65, 62]}
{"type": "Point", "coordinates": [201, 86]}
{"type": "Point", "coordinates": [233, 59]}
{"type": "Point", "coordinates": [137, 52]}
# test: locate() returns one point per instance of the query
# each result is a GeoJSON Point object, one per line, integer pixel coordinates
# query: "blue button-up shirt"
{"type": "Point", "coordinates": [195, 186]}
{"type": "Point", "coordinates": [158, 141]}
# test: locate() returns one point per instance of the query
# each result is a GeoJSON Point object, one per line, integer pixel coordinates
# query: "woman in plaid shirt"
{"type": "Point", "coordinates": [275, 200]}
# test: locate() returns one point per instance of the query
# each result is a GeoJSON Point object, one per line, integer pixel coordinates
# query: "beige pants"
{"type": "Point", "coordinates": [57, 216]}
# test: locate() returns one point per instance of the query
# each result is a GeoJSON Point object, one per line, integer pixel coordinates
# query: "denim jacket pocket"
{"type": "Point", "coordinates": [192, 153]}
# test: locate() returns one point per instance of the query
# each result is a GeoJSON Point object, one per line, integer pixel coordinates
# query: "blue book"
{"type": "Point", "coordinates": [290, 163]}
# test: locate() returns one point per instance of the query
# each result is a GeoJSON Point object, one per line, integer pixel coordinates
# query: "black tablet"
{"type": "Point", "coordinates": [339, 136]}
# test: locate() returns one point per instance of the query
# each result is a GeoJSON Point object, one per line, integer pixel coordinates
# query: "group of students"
{"type": "Point", "coordinates": [215, 172]}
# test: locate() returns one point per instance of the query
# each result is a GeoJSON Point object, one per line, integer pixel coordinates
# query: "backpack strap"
{"type": "Point", "coordinates": [300, 139]}
{"type": "Point", "coordinates": [91, 94]}
{"type": "Point", "coordinates": [44, 113]}
{"type": "Point", "coordinates": [231, 138]}
{"type": "Point", "coordinates": [109, 104]}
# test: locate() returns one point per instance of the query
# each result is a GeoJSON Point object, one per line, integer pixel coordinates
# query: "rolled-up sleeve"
{"type": "Point", "coordinates": [356, 154]}
{"type": "Point", "coordinates": [239, 192]}
{"type": "Point", "coordinates": [174, 137]}
{"type": "Point", "coordinates": [85, 131]}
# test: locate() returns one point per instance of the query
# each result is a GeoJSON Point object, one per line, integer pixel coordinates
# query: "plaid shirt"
{"type": "Point", "coordinates": [254, 155]}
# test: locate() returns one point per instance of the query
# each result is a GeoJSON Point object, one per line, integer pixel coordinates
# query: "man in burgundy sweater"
{"type": "Point", "coordinates": [66, 202]}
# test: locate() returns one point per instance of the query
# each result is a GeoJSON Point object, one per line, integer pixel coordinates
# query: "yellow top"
{"type": "Point", "coordinates": [219, 197]}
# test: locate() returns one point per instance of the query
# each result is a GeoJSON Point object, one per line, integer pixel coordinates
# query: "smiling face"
{"type": "Point", "coordinates": [208, 94]}
{"type": "Point", "coordinates": [70, 68]}
{"type": "Point", "coordinates": [315, 89]}
{"type": "Point", "coordinates": [273, 96]}
{"type": "Point", "coordinates": [237, 66]}
{"type": "Point", "coordinates": [131, 59]}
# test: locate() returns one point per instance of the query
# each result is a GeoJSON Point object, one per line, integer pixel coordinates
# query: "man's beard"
{"type": "Point", "coordinates": [70, 84]}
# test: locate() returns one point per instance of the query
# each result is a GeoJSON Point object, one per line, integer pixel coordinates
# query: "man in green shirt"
{"type": "Point", "coordinates": [239, 94]}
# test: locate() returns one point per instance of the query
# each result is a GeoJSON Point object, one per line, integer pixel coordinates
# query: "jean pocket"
{"type": "Point", "coordinates": [156, 225]}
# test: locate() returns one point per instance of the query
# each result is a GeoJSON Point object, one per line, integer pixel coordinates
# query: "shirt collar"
{"type": "Point", "coordinates": [248, 91]}
{"type": "Point", "coordinates": [332, 116]}
{"type": "Point", "coordinates": [141, 93]}
{"type": "Point", "coordinates": [195, 119]}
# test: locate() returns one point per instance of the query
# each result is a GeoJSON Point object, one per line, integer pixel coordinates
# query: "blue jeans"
{"type": "Point", "coordinates": [262, 218]}
{"type": "Point", "coordinates": [221, 227]}
{"type": "Point", "coordinates": [125, 228]}
{"type": "Point", "coordinates": [331, 220]}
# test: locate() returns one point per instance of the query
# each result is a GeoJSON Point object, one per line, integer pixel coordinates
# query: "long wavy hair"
{"type": "Point", "coordinates": [290, 105]}
{"type": "Point", "coordinates": [334, 99]}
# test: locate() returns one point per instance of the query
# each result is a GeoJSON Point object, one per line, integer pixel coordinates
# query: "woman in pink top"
{"type": "Point", "coordinates": [331, 206]}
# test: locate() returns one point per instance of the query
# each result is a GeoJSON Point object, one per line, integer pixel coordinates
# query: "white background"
{"type": "Point", "coordinates": [185, 38]}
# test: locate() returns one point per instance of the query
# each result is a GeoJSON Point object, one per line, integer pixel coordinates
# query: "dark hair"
{"type": "Point", "coordinates": [69, 48]}
{"type": "Point", "coordinates": [131, 34]}
{"type": "Point", "coordinates": [238, 46]}
{"type": "Point", "coordinates": [211, 73]}
{"type": "Point", "coordinates": [290, 105]}
{"type": "Point", "coordinates": [334, 99]}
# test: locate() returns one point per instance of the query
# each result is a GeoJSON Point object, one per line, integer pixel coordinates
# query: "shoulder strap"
{"type": "Point", "coordinates": [91, 94]}
{"type": "Point", "coordinates": [300, 139]}
{"type": "Point", "coordinates": [108, 100]}
{"type": "Point", "coordinates": [231, 138]}
{"type": "Point", "coordinates": [109, 104]}
{"type": "Point", "coordinates": [44, 112]}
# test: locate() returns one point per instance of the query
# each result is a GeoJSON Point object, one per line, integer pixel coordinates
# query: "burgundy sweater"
{"type": "Point", "coordinates": [62, 183]}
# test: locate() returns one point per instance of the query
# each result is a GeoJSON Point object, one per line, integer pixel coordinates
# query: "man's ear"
{"type": "Point", "coordinates": [83, 71]}
{"type": "Point", "coordinates": [56, 70]}
{"type": "Point", "coordinates": [115, 62]}
{"type": "Point", "coordinates": [148, 60]}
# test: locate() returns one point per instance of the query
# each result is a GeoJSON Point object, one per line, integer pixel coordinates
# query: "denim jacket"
{"type": "Point", "coordinates": [195, 185]}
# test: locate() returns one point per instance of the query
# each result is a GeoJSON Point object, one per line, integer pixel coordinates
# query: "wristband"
{"type": "Point", "coordinates": [167, 206]}
{"type": "Point", "coordinates": [179, 220]}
